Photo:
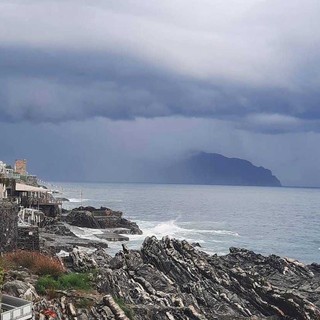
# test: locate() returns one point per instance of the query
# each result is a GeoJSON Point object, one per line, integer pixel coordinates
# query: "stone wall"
{"type": "Point", "coordinates": [28, 238]}
{"type": "Point", "coordinates": [8, 226]}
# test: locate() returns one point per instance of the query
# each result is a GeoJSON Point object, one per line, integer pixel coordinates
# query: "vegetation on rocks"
{"type": "Point", "coordinates": [1, 277]}
{"type": "Point", "coordinates": [36, 262]}
{"type": "Point", "coordinates": [126, 309]}
{"type": "Point", "coordinates": [76, 281]}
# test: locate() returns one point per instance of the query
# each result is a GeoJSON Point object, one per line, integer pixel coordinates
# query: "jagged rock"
{"type": "Point", "coordinates": [102, 218]}
{"type": "Point", "coordinates": [82, 219]}
{"type": "Point", "coordinates": [57, 228]}
{"type": "Point", "coordinates": [170, 279]}
{"type": "Point", "coordinates": [20, 289]}
{"type": "Point", "coordinates": [79, 261]}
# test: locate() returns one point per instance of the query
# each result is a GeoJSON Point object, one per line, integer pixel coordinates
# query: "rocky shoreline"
{"type": "Point", "coordinates": [165, 279]}
{"type": "Point", "coordinates": [171, 279]}
{"type": "Point", "coordinates": [55, 234]}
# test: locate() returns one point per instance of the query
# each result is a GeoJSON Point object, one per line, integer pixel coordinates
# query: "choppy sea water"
{"type": "Point", "coordinates": [282, 221]}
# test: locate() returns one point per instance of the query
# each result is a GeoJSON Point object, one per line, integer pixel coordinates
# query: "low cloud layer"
{"type": "Point", "coordinates": [110, 82]}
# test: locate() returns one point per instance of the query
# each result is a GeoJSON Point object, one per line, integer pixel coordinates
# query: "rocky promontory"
{"type": "Point", "coordinates": [55, 233]}
{"type": "Point", "coordinates": [170, 279]}
{"type": "Point", "coordinates": [103, 218]}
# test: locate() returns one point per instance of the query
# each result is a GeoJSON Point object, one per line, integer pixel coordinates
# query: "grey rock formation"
{"type": "Point", "coordinates": [102, 218]}
{"type": "Point", "coordinates": [20, 289]}
{"type": "Point", "coordinates": [170, 279]}
{"type": "Point", "coordinates": [81, 262]}
{"type": "Point", "coordinates": [82, 219]}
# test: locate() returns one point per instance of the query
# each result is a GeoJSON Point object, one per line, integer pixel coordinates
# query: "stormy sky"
{"type": "Point", "coordinates": [88, 88]}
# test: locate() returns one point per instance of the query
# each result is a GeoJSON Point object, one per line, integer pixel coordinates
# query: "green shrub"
{"type": "Point", "coordinates": [69, 281]}
{"type": "Point", "coordinates": [79, 281]}
{"type": "Point", "coordinates": [45, 283]}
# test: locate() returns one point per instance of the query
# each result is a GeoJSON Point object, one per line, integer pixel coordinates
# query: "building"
{"type": "Point", "coordinates": [2, 167]}
{"type": "Point", "coordinates": [20, 167]}
{"type": "Point", "coordinates": [7, 187]}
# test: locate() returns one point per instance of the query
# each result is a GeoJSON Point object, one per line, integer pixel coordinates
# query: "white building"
{"type": "Point", "coordinates": [2, 167]}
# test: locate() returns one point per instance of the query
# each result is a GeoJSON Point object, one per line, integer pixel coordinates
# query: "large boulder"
{"type": "Point", "coordinates": [102, 218]}
{"type": "Point", "coordinates": [82, 219]}
{"type": "Point", "coordinates": [20, 289]}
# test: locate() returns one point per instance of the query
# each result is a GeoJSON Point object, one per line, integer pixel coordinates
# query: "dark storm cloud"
{"type": "Point", "coordinates": [58, 86]}
{"type": "Point", "coordinates": [255, 65]}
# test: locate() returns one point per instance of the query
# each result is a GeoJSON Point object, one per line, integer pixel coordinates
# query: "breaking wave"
{"type": "Point", "coordinates": [77, 200]}
{"type": "Point", "coordinates": [172, 229]}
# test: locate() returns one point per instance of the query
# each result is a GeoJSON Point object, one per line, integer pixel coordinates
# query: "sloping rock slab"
{"type": "Point", "coordinates": [170, 279]}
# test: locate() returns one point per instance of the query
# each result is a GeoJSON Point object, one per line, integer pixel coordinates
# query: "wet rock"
{"type": "Point", "coordinates": [82, 219]}
{"type": "Point", "coordinates": [58, 228]}
{"type": "Point", "coordinates": [102, 218]}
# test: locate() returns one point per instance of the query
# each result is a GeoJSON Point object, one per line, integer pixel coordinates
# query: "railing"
{"type": "Point", "coordinates": [34, 201]}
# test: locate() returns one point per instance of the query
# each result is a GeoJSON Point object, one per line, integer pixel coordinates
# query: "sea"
{"type": "Point", "coordinates": [282, 221]}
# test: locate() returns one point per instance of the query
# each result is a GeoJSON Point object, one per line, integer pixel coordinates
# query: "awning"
{"type": "Point", "coordinates": [27, 188]}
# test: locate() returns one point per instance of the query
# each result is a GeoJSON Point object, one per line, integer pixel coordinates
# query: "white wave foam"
{"type": "Point", "coordinates": [171, 229]}
{"type": "Point", "coordinates": [168, 228]}
{"type": "Point", "coordinates": [85, 233]}
{"type": "Point", "coordinates": [76, 200]}
{"type": "Point", "coordinates": [222, 232]}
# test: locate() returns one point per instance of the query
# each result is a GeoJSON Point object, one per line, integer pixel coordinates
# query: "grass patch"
{"type": "Point", "coordinates": [128, 312]}
{"type": "Point", "coordinates": [77, 281]}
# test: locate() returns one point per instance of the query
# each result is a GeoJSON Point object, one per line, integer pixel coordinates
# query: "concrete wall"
{"type": "Point", "coordinates": [8, 226]}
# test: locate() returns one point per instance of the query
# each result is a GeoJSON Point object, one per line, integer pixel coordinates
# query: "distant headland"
{"type": "Point", "coordinates": [216, 169]}
{"type": "Point", "coordinates": [208, 169]}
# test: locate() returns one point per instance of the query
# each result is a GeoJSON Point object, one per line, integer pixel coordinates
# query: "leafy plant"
{"type": "Point", "coordinates": [75, 281]}
{"type": "Point", "coordinates": [67, 281]}
{"type": "Point", "coordinates": [46, 283]}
